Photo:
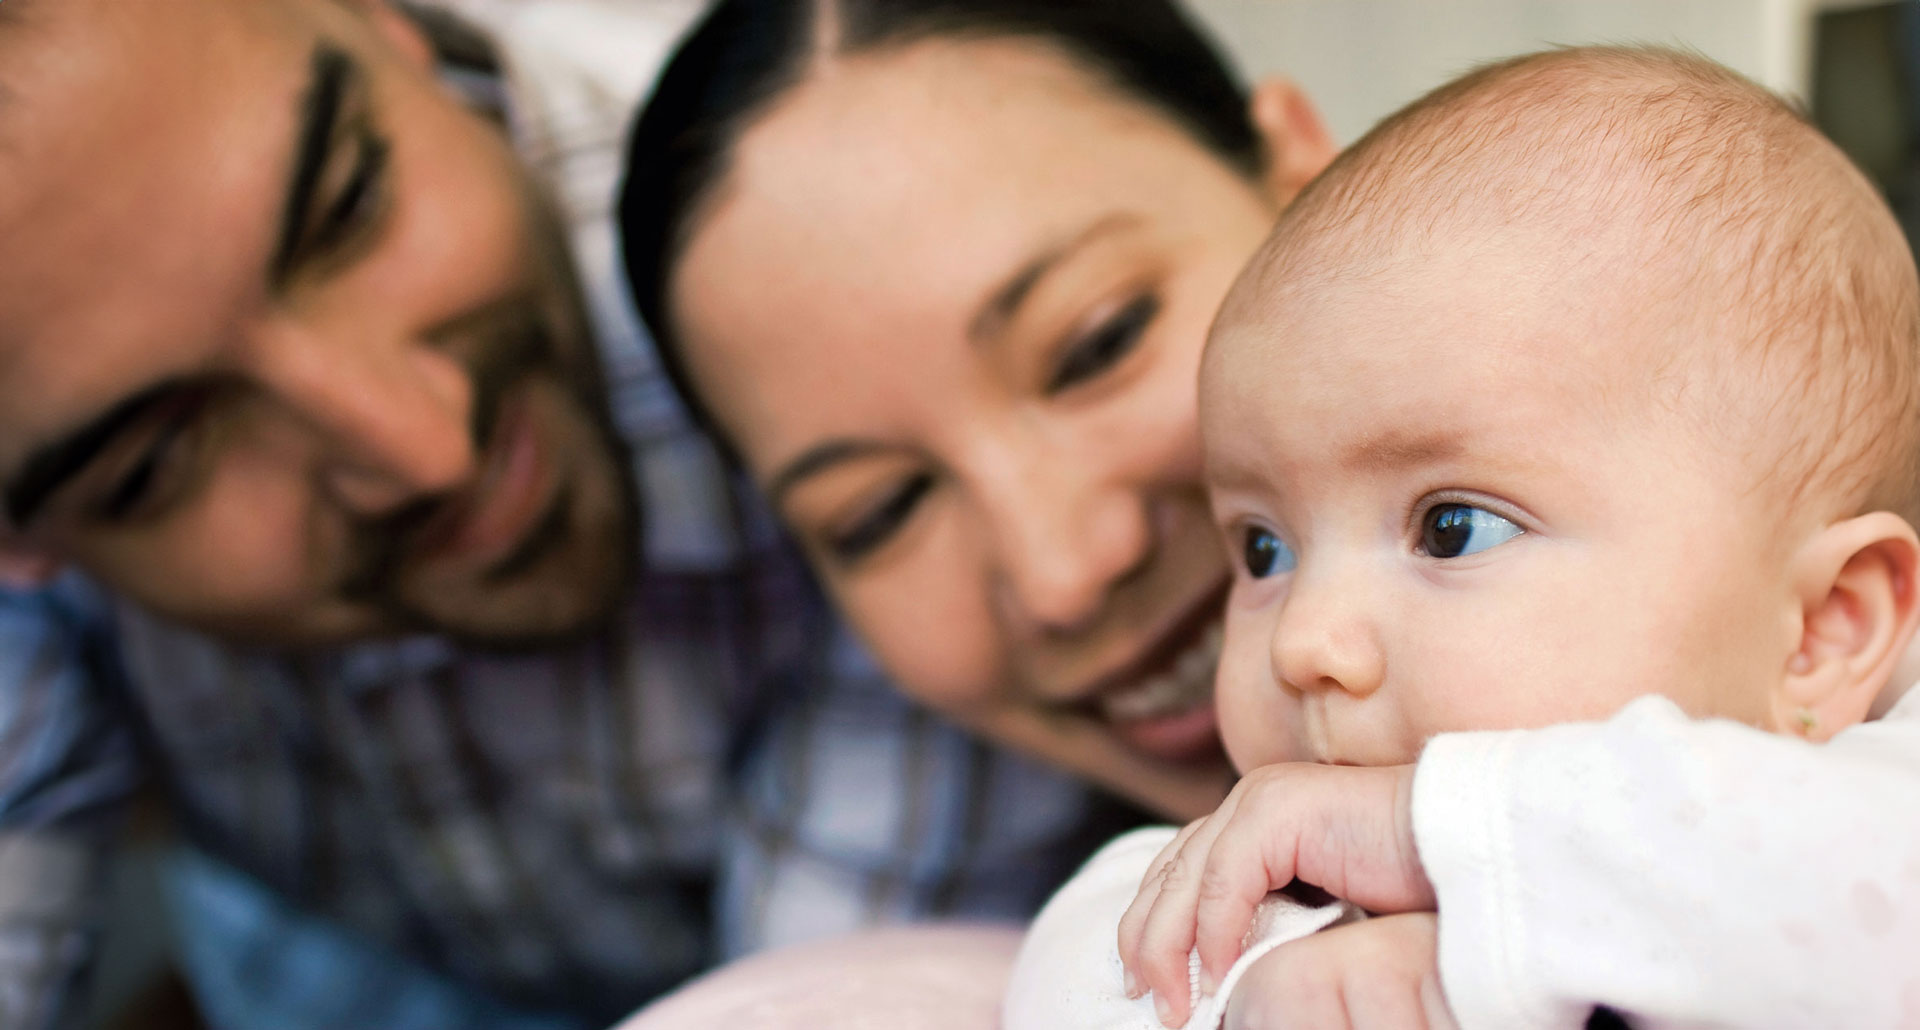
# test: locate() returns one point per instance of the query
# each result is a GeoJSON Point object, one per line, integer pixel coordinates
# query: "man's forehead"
{"type": "Point", "coordinates": [141, 161]}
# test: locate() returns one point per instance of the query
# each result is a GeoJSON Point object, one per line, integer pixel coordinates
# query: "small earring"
{"type": "Point", "coordinates": [1808, 721]}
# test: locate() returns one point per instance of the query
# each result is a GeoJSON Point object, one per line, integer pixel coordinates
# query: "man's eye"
{"type": "Point", "coordinates": [1105, 345]}
{"type": "Point", "coordinates": [881, 522]}
{"type": "Point", "coordinates": [1457, 530]}
{"type": "Point", "coordinates": [1266, 554]}
{"type": "Point", "coordinates": [354, 209]}
{"type": "Point", "coordinates": [154, 480]}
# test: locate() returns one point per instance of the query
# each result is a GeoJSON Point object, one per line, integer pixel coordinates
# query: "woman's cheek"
{"type": "Point", "coordinates": [934, 635]}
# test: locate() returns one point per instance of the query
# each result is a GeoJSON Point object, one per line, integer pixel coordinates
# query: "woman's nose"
{"type": "Point", "coordinates": [394, 416]}
{"type": "Point", "coordinates": [1325, 639]}
{"type": "Point", "coordinates": [1065, 546]}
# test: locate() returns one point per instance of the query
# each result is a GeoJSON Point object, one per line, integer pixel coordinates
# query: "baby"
{"type": "Point", "coordinates": [1590, 376]}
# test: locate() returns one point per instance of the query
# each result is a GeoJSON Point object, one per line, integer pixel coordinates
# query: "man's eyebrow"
{"type": "Point", "coordinates": [49, 467]}
{"type": "Point", "coordinates": [1001, 304]}
{"type": "Point", "coordinates": [820, 456]}
{"type": "Point", "coordinates": [332, 72]}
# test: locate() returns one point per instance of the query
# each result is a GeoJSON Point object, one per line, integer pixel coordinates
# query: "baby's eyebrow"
{"type": "Point", "coordinates": [1397, 450]}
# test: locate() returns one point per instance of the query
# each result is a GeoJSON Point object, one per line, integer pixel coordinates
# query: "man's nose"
{"type": "Point", "coordinates": [394, 415]}
{"type": "Point", "coordinates": [1065, 542]}
{"type": "Point", "coordinates": [1325, 638]}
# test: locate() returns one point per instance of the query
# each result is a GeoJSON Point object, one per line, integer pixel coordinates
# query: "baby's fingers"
{"type": "Point", "coordinates": [1166, 937]}
{"type": "Point", "coordinates": [1244, 864]}
{"type": "Point", "coordinates": [1134, 921]}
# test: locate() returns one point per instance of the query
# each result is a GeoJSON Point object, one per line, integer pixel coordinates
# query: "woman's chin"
{"type": "Point", "coordinates": [1174, 764]}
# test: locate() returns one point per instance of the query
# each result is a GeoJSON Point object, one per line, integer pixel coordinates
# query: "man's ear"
{"type": "Point", "coordinates": [1858, 607]}
{"type": "Point", "coordinates": [401, 32]}
{"type": "Point", "coordinates": [24, 566]}
{"type": "Point", "coordinates": [1295, 139]}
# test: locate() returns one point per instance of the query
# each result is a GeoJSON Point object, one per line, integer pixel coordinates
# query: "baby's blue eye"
{"type": "Point", "coordinates": [1455, 530]}
{"type": "Point", "coordinates": [1266, 554]}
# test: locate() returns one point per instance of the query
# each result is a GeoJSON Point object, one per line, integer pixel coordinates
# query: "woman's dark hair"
{"type": "Point", "coordinates": [745, 54]}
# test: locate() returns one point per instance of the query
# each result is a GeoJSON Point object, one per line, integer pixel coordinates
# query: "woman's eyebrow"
{"type": "Point", "coordinates": [1004, 301]}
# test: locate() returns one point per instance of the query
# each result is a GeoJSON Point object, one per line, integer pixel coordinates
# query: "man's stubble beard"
{"type": "Point", "coordinates": [582, 563]}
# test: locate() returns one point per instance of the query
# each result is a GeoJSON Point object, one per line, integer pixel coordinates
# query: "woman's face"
{"type": "Point", "coordinates": [949, 304]}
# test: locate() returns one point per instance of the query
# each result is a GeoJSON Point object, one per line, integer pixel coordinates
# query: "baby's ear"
{"type": "Point", "coordinates": [1856, 584]}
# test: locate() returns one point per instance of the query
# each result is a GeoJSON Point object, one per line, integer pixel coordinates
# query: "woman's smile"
{"type": "Point", "coordinates": [1161, 703]}
{"type": "Point", "coordinates": [958, 348]}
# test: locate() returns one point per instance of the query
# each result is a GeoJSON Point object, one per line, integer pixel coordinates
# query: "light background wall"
{"type": "Point", "coordinates": [1361, 59]}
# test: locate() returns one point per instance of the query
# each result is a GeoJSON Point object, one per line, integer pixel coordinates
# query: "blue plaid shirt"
{"type": "Point", "coordinates": [406, 834]}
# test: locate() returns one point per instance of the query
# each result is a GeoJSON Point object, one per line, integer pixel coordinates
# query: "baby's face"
{"type": "Point", "coordinates": [1455, 499]}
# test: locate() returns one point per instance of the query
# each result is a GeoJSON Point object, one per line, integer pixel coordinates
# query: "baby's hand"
{"type": "Point", "coordinates": [1377, 974]}
{"type": "Point", "coordinates": [1346, 830]}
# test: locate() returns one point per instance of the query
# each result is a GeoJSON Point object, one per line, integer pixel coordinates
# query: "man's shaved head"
{"type": "Point", "coordinates": [1649, 180]}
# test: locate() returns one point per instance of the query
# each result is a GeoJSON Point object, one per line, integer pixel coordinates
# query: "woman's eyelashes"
{"type": "Point", "coordinates": [1264, 554]}
{"type": "Point", "coordinates": [1105, 345]}
{"type": "Point", "coordinates": [1084, 359]}
{"type": "Point", "coordinates": [1455, 530]}
{"type": "Point", "coordinates": [878, 524]}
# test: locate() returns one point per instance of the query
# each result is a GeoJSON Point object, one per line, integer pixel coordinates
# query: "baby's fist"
{"type": "Point", "coordinates": [1379, 974]}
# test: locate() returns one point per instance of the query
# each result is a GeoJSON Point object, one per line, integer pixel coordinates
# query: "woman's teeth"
{"type": "Point", "coordinates": [1187, 682]}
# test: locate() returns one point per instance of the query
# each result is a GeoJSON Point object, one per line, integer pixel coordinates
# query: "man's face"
{"type": "Point", "coordinates": [1457, 497]}
{"type": "Point", "coordinates": [288, 348]}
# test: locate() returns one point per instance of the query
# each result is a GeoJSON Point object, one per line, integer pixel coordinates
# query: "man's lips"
{"type": "Point", "coordinates": [485, 524]}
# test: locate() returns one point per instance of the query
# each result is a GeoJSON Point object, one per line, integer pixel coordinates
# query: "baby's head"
{"type": "Point", "coordinates": [1591, 375]}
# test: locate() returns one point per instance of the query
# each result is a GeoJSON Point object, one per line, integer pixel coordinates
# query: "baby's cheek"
{"type": "Point", "coordinates": [1258, 722]}
{"type": "Point", "coordinates": [1570, 655]}
{"type": "Point", "coordinates": [1247, 700]}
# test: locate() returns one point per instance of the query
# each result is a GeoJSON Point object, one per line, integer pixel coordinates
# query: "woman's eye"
{"type": "Point", "coordinates": [881, 522]}
{"type": "Point", "coordinates": [1457, 530]}
{"type": "Point", "coordinates": [1266, 554]}
{"type": "Point", "coordinates": [1105, 345]}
